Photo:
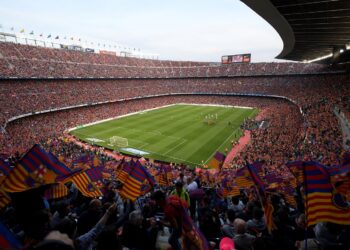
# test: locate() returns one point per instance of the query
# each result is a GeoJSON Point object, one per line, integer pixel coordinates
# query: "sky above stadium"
{"type": "Point", "coordinates": [199, 30]}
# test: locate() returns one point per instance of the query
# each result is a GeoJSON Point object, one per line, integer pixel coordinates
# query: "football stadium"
{"type": "Point", "coordinates": [221, 125]}
{"type": "Point", "coordinates": [155, 133]}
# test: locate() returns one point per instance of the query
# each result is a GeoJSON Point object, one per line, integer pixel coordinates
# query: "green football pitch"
{"type": "Point", "coordinates": [181, 133]}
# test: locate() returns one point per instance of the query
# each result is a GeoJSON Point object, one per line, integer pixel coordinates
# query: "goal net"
{"type": "Point", "coordinates": [117, 141]}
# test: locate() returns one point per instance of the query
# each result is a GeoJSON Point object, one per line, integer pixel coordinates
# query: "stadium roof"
{"type": "Point", "coordinates": [311, 30]}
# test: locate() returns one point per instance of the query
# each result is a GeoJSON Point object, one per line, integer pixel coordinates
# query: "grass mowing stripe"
{"type": "Point", "coordinates": [149, 135]}
{"type": "Point", "coordinates": [175, 133]}
{"type": "Point", "coordinates": [209, 142]}
{"type": "Point", "coordinates": [181, 128]}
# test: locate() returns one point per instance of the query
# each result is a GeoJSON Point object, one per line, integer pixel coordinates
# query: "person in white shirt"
{"type": "Point", "coordinates": [191, 187]}
{"type": "Point", "coordinates": [191, 184]}
{"type": "Point", "coordinates": [236, 205]}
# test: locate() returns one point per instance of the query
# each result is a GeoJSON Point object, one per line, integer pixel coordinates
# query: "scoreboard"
{"type": "Point", "coordinates": [240, 58]}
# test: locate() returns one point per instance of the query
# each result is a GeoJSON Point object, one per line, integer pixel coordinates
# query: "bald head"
{"type": "Point", "coordinates": [239, 226]}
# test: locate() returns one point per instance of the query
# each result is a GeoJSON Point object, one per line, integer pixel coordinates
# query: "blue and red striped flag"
{"type": "Point", "coordinates": [243, 178]}
{"type": "Point", "coordinates": [273, 178]}
{"type": "Point", "coordinates": [217, 160]}
{"type": "Point", "coordinates": [229, 188]}
{"type": "Point", "coordinates": [340, 178]}
{"type": "Point", "coordinates": [56, 191]}
{"type": "Point", "coordinates": [82, 160]}
{"type": "Point", "coordinates": [268, 212]}
{"type": "Point", "coordinates": [297, 170]}
{"type": "Point", "coordinates": [132, 187]}
{"type": "Point", "coordinates": [192, 236]}
{"type": "Point", "coordinates": [323, 203]}
{"type": "Point", "coordinates": [253, 171]}
{"type": "Point", "coordinates": [162, 177]}
{"type": "Point", "coordinates": [123, 173]}
{"type": "Point", "coordinates": [36, 168]}
{"type": "Point", "coordinates": [86, 183]}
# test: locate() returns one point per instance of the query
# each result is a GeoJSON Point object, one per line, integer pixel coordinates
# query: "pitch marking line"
{"type": "Point", "coordinates": [220, 146]}
{"type": "Point", "coordinates": [183, 141]}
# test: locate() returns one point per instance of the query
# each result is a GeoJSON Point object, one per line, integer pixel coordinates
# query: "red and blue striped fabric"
{"type": "Point", "coordinates": [192, 237]}
{"type": "Point", "coordinates": [36, 168]}
{"type": "Point", "coordinates": [252, 168]}
{"type": "Point", "coordinates": [133, 184]}
{"type": "Point", "coordinates": [56, 191]}
{"type": "Point", "coordinates": [321, 197]}
{"type": "Point", "coordinates": [217, 160]}
{"type": "Point", "coordinates": [273, 178]}
{"type": "Point", "coordinates": [268, 211]}
{"type": "Point", "coordinates": [243, 178]}
{"type": "Point", "coordinates": [85, 185]}
{"type": "Point", "coordinates": [82, 161]}
{"type": "Point", "coordinates": [229, 188]}
{"type": "Point", "coordinates": [297, 170]}
{"type": "Point", "coordinates": [124, 172]}
{"type": "Point", "coordinates": [162, 177]}
{"type": "Point", "coordinates": [340, 178]}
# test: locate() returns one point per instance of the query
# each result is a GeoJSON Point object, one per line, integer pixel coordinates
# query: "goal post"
{"type": "Point", "coordinates": [118, 141]}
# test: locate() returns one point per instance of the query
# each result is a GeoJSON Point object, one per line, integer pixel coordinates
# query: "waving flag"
{"type": "Point", "coordinates": [138, 175]}
{"type": "Point", "coordinates": [56, 191]}
{"type": "Point", "coordinates": [323, 203]}
{"type": "Point", "coordinates": [192, 237]}
{"type": "Point", "coordinates": [340, 177]}
{"type": "Point", "coordinates": [88, 183]}
{"type": "Point", "coordinates": [273, 178]}
{"type": "Point", "coordinates": [253, 171]}
{"type": "Point", "coordinates": [36, 168]}
{"type": "Point", "coordinates": [162, 177]}
{"type": "Point", "coordinates": [297, 169]}
{"type": "Point", "coordinates": [217, 160]}
{"type": "Point", "coordinates": [229, 188]}
{"type": "Point", "coordinates": [268, 211]}
{"type": "Point", "coordinates": [123, 174]}
{"type": "Point", "coordinates": [83, 161]}
{"type": "Point", "coordinates": [243, 178]}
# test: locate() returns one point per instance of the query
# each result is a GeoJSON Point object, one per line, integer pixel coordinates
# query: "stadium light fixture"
{"type": "Point", "coordinates": [341, 51]}
{"type": "Point", "coordinates": [320, 58]}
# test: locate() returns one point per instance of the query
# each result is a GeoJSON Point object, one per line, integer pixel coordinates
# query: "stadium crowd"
{"type": "Point", "coordinates": [112, 222]}
{"type": "Point", "coordinates": [323, 141]}
{"type": "Point", "coordinates": [25, 61]}
{"type": "Point", "coordinates": [304, 128]}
